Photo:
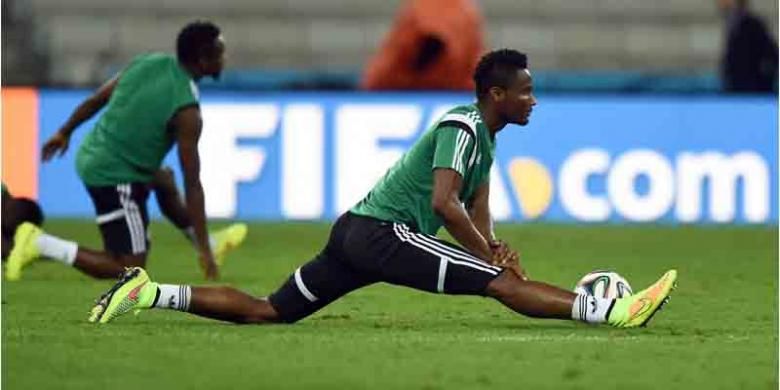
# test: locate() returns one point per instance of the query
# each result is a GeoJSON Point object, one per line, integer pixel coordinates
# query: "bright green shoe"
{"type": "Point", "coordinates": [228, 239]}
{"type": "Point", "coordinates": [638, 309]}
{"type": "Point", "coordinates": [134, 291]}
{"type": "Point", "coordinates": [25, 250]}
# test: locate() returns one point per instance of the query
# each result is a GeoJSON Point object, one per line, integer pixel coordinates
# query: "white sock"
{"type": "Point", "coordinates": [172, 296]}
{"type": "Point", "coordinates": [190, 234]}
{"type": "Point", "coordinates": [590, 309]}
{"type": "Point", "coordinates": [57, 249]}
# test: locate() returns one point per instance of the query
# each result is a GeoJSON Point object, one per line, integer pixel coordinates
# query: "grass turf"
{"type": "Point", "coordinates": [718, 332]}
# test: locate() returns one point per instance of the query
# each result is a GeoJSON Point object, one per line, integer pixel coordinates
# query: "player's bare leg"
{"type": "Point", "coordinates": [135, 291]}
{"type": "Point", "coordinates": [229, 304]}
{"type": "Point", "coordinates": [531, 298]}
{"type": "Point", "coordinates": [173, 208]}
{"type": "Point", "coordinates": [32, 243]}
{"type": "Point", "coordinates": [537, 299]}
{"type": "Point", "coordinates": [169, 199]}
{"type": "Point", "coordinates": [102, 265]}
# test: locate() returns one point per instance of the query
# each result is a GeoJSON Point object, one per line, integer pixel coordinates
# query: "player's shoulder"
{"type": "Point", "coordinates": [155, 65]}
{"type": "Point", "coordinates": [152, 58]}
{"type": "Point", "coordinates": [466, 117]}
{"type": "Point", "coordinates": [159, 66]}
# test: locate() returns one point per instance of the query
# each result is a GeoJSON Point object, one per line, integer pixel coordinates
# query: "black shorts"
{"type": "Point", "coordinates": [363, 250]}
{"type": "Point", "coordinates": [122, 217]}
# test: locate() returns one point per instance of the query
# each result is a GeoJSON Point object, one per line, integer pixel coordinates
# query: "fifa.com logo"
{"type": "Point", "coordinates": [361, 141]}
{"type": "Point", "coordinates": [684, 185]}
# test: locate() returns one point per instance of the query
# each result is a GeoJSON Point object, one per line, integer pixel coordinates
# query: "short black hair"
{"type": "Point", "coordinates": [496, 68]}
{"type": "Point", "coordinates": [194, 38]}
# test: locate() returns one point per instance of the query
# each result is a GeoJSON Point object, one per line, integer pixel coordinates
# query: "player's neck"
{"type": "Point", "coordinates": [191, 70]}
{"type": "Point", "coordinates": [492, 120]}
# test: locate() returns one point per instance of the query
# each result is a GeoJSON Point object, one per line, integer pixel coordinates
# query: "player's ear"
{"type": "Point", "coordinates": [497, 93]}
{"type": "Point", "coordinates": [204, 57]}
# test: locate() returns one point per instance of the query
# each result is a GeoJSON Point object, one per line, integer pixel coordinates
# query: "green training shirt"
{"type": "Point", "coordinates": [132, 137]}
{"type": "Point", "coordinates": [460, 141]}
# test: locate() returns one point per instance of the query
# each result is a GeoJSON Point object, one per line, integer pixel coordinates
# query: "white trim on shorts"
{"type": "Point", "coordinates": [431, 245]}
{"type": "Point", "coordinates": [135, 223]}
{"type": "Point", "coordinates": [442, 274]}
{"type": "Point", "coordinates": [302, 287]}
{"type": "Point", "coordinates": [111, 216]}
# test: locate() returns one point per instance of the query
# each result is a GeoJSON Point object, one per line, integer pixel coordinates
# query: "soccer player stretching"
{"type": "Point", "coordinates": [389, 235]}
{"type": "Point", "coordinates": [151, 104]}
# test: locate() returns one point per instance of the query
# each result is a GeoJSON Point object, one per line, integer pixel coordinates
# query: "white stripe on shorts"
{"type": "Point", "coordinates": [450, 251]}
{"type": "Point", "coordinates": [442, 274]}
{"type": "Point", "coordinates": [305, 291]}
{"type": "Point", "coordinates": [133, 218]}
{"type": "Point", "coordinates": [409, 238]}
{"type": "Point", "coordinates": [108, 217]}
{"type": "Point", "coordinates": [135, 214]}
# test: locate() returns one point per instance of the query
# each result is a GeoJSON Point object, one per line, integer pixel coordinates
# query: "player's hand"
{"type": "Point", "coordinates": [209, 266]}
{"type": "Point", "coordinates": [505, 257]}
{"type": "Point", "coordinates": [57, 144]}
{"type": "Point", "coordinates": [498, 250]}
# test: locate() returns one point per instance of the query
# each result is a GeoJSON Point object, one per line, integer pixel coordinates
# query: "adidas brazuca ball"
{"type": "Point", "coordinates": [604, 284]}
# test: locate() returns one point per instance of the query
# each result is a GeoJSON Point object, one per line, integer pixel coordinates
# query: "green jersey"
{"type": "Point", "coordinates": [132, 137]}
{"type": "Point", "coordinates": [459, 141]}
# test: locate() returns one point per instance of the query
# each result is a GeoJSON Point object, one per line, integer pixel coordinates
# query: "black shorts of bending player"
{"type": "Point", "coordinates": [122, 217]}
{"type": "Point", "coordinates": [362, 251]}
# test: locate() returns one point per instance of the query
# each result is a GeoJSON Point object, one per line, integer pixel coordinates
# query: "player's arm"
{"type": "Point", "coordinates": [188, 125]}
{"type": "Point", "coordinates": [454, 145]}
{"type": "Point", "coordinates": [59, 142]}
{"type": "Point", "coordinates": [479, 211]}
{"type": "Point", "coordinates": [447, 184]}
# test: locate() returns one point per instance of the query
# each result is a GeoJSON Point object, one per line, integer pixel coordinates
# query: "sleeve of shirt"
{"type": "Point", "coordinates": [453, 149]}
{"type": "Point", "coordinates": [186, 95]}
{"type": "Point", "coordinates": [183, 95]}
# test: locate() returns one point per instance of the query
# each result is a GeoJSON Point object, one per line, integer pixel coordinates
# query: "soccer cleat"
{"type": "Point", "coordinates": [133, 291]}
{"type": "Point", "coordinates": [25, 250]}
{"type": "Point", "coordinates": [637, 310]}
{"type": "Point", "coordinates": [227, 239]}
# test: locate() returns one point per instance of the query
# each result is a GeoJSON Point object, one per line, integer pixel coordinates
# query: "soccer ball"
{"type": "Point", "coordinates": [604, 284]}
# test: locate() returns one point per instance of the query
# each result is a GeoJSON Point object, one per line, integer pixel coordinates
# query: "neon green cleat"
{"type": "Point", "coordinates": [25, 250]}
{"type": "Point", "coordinates": [134, 291]}
{"type": "Point", "coordinates": [638, 309]}
{"type": "Point", "coordinates": [228, 239]}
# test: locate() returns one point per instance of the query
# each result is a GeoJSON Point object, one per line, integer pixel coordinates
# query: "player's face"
{"type": "Point", "coordinates": [519, 99]}
{"type": "Point", "coordinates": [215, 62]}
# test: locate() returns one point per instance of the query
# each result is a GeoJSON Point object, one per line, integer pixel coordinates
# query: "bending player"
{"type": "Point", "coordinates": [389, 236]}
{"type": "Point", "coordinates": [151, 104]}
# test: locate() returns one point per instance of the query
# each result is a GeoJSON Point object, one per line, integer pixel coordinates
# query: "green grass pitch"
{"type": "Point", "coordinates": [718, 332]}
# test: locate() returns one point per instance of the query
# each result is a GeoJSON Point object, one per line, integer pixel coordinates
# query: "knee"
{"type": "Point", "coordinates": [506, 284]}
{"type": "Point", "coordinates": [261, 312]}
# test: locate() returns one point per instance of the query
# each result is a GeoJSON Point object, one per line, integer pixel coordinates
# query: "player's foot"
{"type": "Point", "coordinates": [228, 239]}
{"type": "Point", "coordinates": [637, 310]}
{"type": "Point", "coordinates": [24, 252]}
{"type": "Point", "coordinates": [133, 291]}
